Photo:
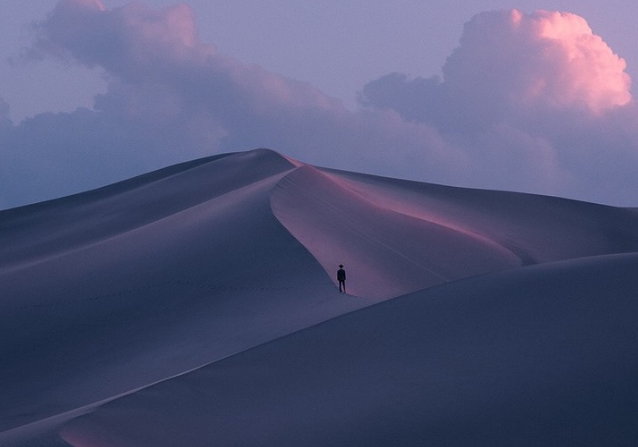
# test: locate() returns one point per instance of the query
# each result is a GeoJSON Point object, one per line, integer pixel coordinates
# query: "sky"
{"type": "Point", "coordinates": [489, 94]}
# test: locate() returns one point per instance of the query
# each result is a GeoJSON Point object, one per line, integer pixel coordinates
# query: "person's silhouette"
{"type": "Point", "coordinates": [341, 278]}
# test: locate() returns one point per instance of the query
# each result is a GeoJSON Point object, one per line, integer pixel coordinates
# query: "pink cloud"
{"type": "Point", "coordinates": [545, 59]}
{"type": "Point", "coordinates": [592, 73]}
{"type": "Point", "coordinates": [532, 99]}
{"type": "Point", "coordinates": [525, 102]}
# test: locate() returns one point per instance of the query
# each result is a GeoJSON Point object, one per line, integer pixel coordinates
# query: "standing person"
{"type": "Point", "coordinates": [341, 277]}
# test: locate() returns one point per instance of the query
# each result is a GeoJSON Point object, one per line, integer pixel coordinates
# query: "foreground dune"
{"type": "Point", "coordinates": [535, 356]}
{"type": "Point", "coordinates": [166, 309]}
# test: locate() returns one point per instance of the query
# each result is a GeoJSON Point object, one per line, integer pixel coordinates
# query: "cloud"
{"type": "Point", "coordinates": [4, 114]}
{"type": "Point", "coordinates": [523, 101]}
{"type": "Point", "coordinates": [537, 101]}
{"type": "Point", "coordinates": [544, 59]}
{"type": "Point", "coordinates": [172, 98]}
{"type": "Point", "coordinates": [508, 61]}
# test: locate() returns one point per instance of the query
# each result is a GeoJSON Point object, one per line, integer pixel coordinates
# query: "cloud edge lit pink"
{"type": "Point", "coordinates": [528, 102]}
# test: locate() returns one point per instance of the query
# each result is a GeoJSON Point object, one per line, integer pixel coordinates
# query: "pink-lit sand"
{"type": "Point", "coordinates": [196, 306]}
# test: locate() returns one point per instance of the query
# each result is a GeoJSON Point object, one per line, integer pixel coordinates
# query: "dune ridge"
{"type": "Point", "coordinates": [143, 287]}
{"type": "Point", "coordinates": [424, 235]}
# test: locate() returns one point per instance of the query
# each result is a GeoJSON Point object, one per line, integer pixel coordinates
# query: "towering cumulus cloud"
{"type": "Point", "coordinates": [546, 59]}
{"type": "Point", "coordinates": [537, 97]}
{"type": "Point", "coordinates": [533, 102]}
{"type": "Point", "coordinates": [507, 60]}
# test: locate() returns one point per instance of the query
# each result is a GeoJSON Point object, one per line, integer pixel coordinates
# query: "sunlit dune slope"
{"type": "Point", "coordinates": [105, 293]}
{"type": "Point", "coordinates": [397, 236]}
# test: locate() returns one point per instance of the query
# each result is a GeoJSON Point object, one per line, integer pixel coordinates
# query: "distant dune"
{"type": "Point", "coordinates": [197, 306]}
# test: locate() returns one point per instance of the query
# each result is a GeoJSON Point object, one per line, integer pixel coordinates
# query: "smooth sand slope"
{"type": "Point", "coordinates": [529, 357]}
{"type": "Point", "coordinates": [123, 293]}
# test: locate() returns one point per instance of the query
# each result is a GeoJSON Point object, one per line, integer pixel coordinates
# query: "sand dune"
{"type": "Point", "coordinates": [178, 296]}
{"type": "Point", "coordinates": [534, 356]}
{"type": "Point", "coordinates": [403, 236]}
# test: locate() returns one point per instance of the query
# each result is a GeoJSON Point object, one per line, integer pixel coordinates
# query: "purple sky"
{"type": "Point", "coordinates": [519, 101]}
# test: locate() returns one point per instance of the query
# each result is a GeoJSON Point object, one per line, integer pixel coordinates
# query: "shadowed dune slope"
{"type": "Point", "coordinates": [543, 355]}
{"type": "Point", "coordinates": [104, 292]}
{"type": "Point", "coordinates": [138, 291]}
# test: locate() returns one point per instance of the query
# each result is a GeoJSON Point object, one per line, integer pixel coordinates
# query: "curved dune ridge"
{"type": "Point", "coordinates": [390, 253]}
{"type": "Point", "coordinates": [196, 305]}
{"type": "Point", "coordinates": [401, 236]}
